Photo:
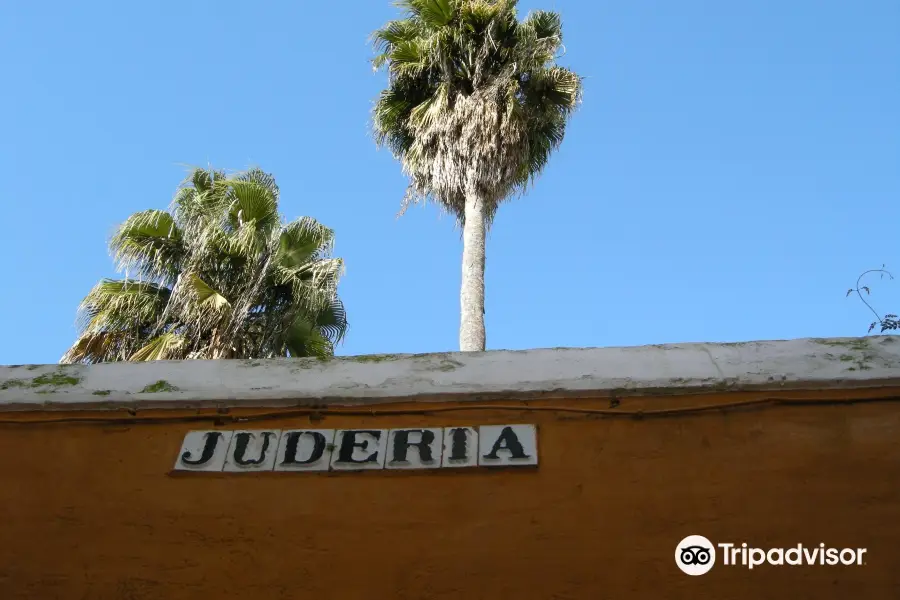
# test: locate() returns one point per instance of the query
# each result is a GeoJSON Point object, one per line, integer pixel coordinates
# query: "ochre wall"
{"type": "Point", "coordinates": [92, 511]}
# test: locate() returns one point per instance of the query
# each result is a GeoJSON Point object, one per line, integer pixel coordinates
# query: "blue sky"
{"type": "Point", "coordinates": [733, 168]}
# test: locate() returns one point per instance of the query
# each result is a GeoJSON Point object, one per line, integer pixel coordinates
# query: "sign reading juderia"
{"type": "Point", "coordinates": [358, 449]}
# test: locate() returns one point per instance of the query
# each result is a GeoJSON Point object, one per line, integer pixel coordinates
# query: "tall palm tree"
{"type": "Point", "coordinates": [217, 276]}
{"type": "Point", "coordinates": [474, 107]}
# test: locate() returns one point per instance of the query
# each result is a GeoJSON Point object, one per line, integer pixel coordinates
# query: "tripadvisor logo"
{"type": "Point", "coordinates": [696, 555]}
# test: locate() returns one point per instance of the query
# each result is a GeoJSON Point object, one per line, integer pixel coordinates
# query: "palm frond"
{"type": "Point", "coordinates": [168, 346]}
{"type": "Point", "coordinates": [312, 285]}
{"type": "Point", "coordinates": [395, 32]}
{"type": "Point", "coordinates": [332, 321]}
{"type": "Point", "coordinates": [122, 303]}
{"type": "Point", "coordinates": [540, 37]}
{"type": "Point", "coordinates": [391, 120]}
{"type": "Point", "coordinates": [304, 340]}
{"type": "Point", "coordinates": [100, 346]}
{"type": "Point", "coordinates": [545, 24]}
{"type": "Point", "coordinates": [258, 176]}
{"type": "Point", "coordinates": [150, 244]}
{"type": "Point", "coordinates": [316, 336]}
{"type": "Point", "coordinates": [205, 295]}
{"type": "Point", "coordinates": [428, 112]}
{"type": "Point", "coordinates": [433, 13]}
{"type": "Point", "coordinates": [251, 202]}
{"type": "Point", "coordinates": [199, 203]}
{"type": "Point", "coordinates": [202, 180]}
{"type": "Point", "coordinates": [302, 241]}
{"type": "Point", "coordinates": [556, 87]}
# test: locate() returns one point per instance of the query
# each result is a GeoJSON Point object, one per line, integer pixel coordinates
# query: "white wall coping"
{"type": "Point", "coordinates": [837, 363]}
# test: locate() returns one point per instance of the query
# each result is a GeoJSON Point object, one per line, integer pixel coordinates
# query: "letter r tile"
{"type": "Point", "coordinates": [414, 448]}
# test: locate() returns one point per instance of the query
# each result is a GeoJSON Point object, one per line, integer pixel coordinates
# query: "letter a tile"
{"type": "Point", "coordinates": [507, 445]}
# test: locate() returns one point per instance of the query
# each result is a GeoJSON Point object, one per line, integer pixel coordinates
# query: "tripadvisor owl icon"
{"type": "Point", "coordinates": [695, 555]}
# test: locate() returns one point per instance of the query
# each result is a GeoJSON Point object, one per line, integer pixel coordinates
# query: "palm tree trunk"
{"type": "Point", "coordinates": [471, 327]}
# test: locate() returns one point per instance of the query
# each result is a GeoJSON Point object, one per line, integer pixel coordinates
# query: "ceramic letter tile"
{"type": "Point", "coordinates": [359, 449]}
{"type": "Point", "coordinates": [305, 450]}
{"type": "Point", "coordinates": [507, 445]}
{"type": "Point", "coordinates": [252, 451]}
{"type": "Point", "coordinates": [414, 448]}
{"type": "Point", "coordinates": [203, 451]}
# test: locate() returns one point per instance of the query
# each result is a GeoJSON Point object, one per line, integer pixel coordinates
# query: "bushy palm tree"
{"type": "Point", "coordinates": [217, 276]}
{"type": "Point", "coordinates": [474, 107]}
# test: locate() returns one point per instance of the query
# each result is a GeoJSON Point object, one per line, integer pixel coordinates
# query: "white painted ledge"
{"type": "Point", "coordinates": [593, 372]}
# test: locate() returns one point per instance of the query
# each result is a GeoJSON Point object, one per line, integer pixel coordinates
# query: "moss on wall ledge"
{"type": "Point", "coordinates": [58, 379]}
{"type": "Point", "coordinates": [158, 387]}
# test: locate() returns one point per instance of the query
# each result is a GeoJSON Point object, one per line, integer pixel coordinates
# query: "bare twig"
{"type": "Point", "coordinates": [889, 322]}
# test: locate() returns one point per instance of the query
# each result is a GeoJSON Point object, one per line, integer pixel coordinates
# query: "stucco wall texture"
{"type": "Point", "coordinates": [93, 511]}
